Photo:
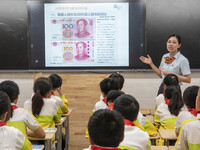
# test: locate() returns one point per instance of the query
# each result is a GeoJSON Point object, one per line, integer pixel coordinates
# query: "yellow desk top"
{"type": "Point", "coordinates": [167, 134]}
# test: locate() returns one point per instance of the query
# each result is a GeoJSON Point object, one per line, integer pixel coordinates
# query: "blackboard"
{"type": "Point", "coordinates": [165, 17]}
{"type": "Point", "coordinates": [13, 35]}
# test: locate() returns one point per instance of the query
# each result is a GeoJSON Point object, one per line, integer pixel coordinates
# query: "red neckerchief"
{"type": "Point", "coordinates": [167, 101]}
{"type": "Point", "coordinates": [42, 96]}
{"type": "Point", "coordinates": [14, 107]}
{"type": "Point", "coordinates": [104, 100]}
{"type": "Point", "coordinates": [94, 147]}
{"type": "Point", "coordinates": [2, 124]}
{"type": "Point", "coordinates": [111, 106]}
{"type": "Point", "coordinates": [164, 94]}
{"type": "Point", "coordinates": [193, 111]}
{"type": "Point", "coordinates": [128, 122]}
{"type": "Point", "coordinates": [168, 60]}
{"type": "Point", "coordinates": [52, 93]}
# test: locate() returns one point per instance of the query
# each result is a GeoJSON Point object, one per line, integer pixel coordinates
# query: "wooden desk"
{"type": "Point", "coordinates": [145, 111]}
{"type": "Point", "coordinates": [171, 148]}
{"type": "Point", "coordinates": [167, 135]}
{"type": "Point", "coordinates": [47, 139]}
{"type": "Point", "coordinates": [154, 138]}
{"type": "Point", "coordinates": [66, 125]}
{"type": "Point", "coordinates": [152, 112]}
{"type": "Point", "coordinates": [150, 118]}
{"type": "Point", "coordinates": [159, 148]}
{"type": "Point", "coordinates": [59, 132]}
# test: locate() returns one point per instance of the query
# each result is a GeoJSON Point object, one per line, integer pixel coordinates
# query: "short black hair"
{"type": "Point", "coordinates": [106, 128]}
{"type": "Point", "coordinates": [112, 95]}
{"type": "Point", "coordinates": [128, 106]}
{"type": "Point", "coordinates": [4, 103]}
{"type": "Point", "coordinates": [171, 79]}
{"type": "Point", "coordinates": [189, 96]}
{"type": "Point", "coordinates": [11, 89]}
{"type": "Point", "coordinates": [108, 84]}
{"type": "Point", "coordinates": [56, 81]}
{"type": "Point", "coordinates": [118, 78]}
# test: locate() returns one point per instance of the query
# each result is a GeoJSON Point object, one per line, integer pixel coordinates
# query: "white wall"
{"type": "Point", "coordinates": [142, 85]}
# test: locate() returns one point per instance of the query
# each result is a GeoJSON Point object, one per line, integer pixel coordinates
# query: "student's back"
{"type": "Point", "coordinates": [106, 128]}
{"type": "Point", "coordinates": [10, 137]}
{"type": "Point", "coordinates": [189, 97]}
{"type": "Point", "coordinates": [20, 118]}
{"type": "Point", "coordinates": [56, 86]}
{"type": "Point", "coordinates": [134, 137]}
{"type": "Point", "coordinates": [170, 79]}
{"type": "Point", "coordinates": [50, 112]}
{"type": "Point", "coordinates": [167, 112]}
{"type": "Point", "coordinates": [44, 108]}
{"type": "Point", "coordinates": [189, 137]}
{"type": "Point", "coordinates": [106, 85]}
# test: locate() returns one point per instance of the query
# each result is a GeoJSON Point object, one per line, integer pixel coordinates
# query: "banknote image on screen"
{"type": "Point", "coordinates": [86, 34]}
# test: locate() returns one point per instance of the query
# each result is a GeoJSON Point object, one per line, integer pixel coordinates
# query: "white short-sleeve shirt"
{"type": "Point", "coordinates": [179, 66]}
{"type": "Point", "coordinates": [11, 138]}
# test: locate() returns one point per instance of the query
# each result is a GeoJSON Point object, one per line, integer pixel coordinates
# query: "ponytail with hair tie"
{"type": "Point", "coordinates": [41, 87]}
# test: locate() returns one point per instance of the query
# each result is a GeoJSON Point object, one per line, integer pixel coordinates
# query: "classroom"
{"type": "Point", "coordinates": [27, 35]}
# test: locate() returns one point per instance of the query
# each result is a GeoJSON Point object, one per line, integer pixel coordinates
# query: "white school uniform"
{"type": "Point", "coordinates": [189, 137]}
{"type": "Point", "coordinates": [159, 100]}
{"type": "Point", "coordinates": [184, 115]}
{"type": "Point", "coordinates": [22, 119]}
{"type": "Point", "coordinates": [141, 119]}
{"type": "Point", "coordinates": [13, 139]}
{"type": "Point", "coordinates": [100, 105]}
{"type": "Point", "coordinates": [135, 138]}
{"type": "Point", "coordinates": [61, 103]}
{"type": "Point", "coordinates": [50, 112]}
{"type": "Point", "coordinates": [164, 116]}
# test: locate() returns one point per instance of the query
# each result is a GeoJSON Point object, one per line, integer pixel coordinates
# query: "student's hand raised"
{"type": "Point", "coordinates": [198, 101]}
{"type": "Point", "coordinates": [146, 60]}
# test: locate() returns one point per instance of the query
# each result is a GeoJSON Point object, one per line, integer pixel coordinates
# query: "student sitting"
{"type": "Point", "coordinates": [106, 130]}
{"type": "Point", "coordinates": [56, 84]}
{"type": "Point", "coordinates": [119, 81]}
{"type": "Point", "coordinates": [21, 118]}
{"type": "Point", "coordinates": [111, 97]}
{"type": "Point", "coordinates": [106, 85]}
{"type": "Point", "coordinates": [11, 138]}
{"type": "Point", "coordinates": [189, 97]}
{"type": "Point", "coordinates": [146, 124]}
{"type": "Point", "coordinates": [44, 108]}
{"type": "Point", "coordinates": [170, 79]}
{"type": "Point", "coordinates": [142, 122]}
{"type": "Point", "coordinates": [167, 112]}
{"type": "Point", "coordinates": [134, 137]}
{"type": "Point", "coordinates": [189, 137]}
